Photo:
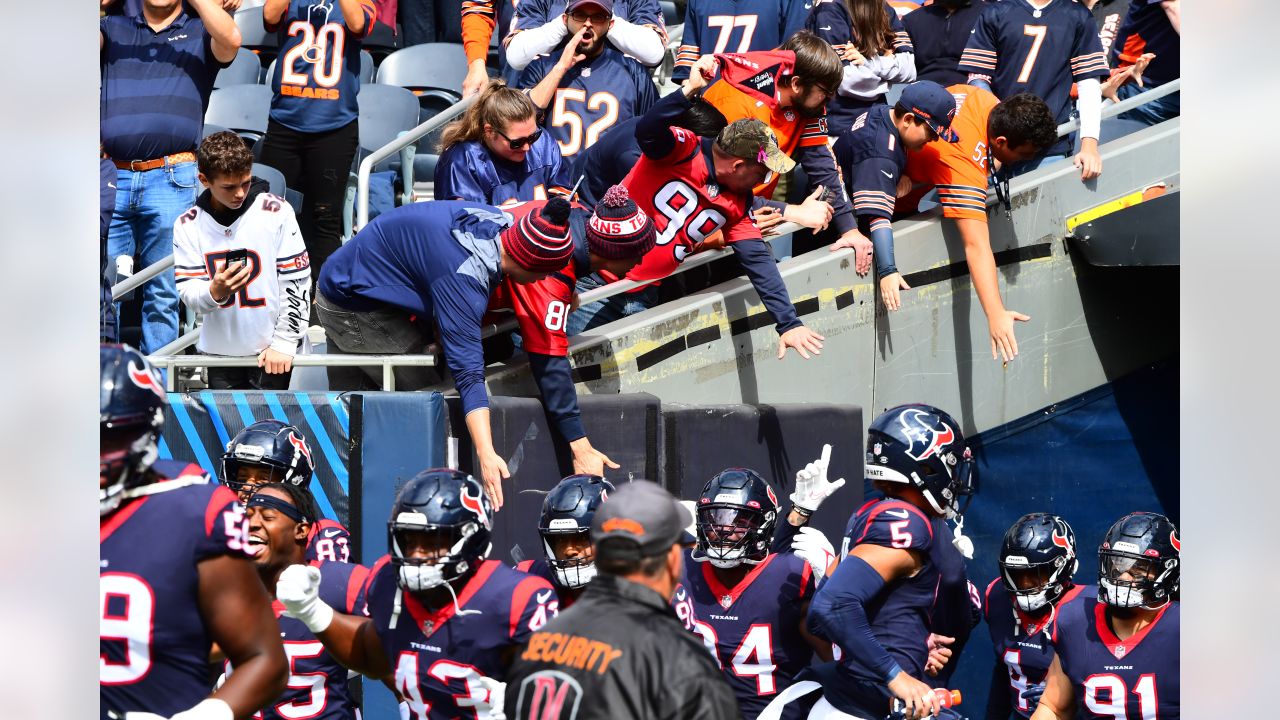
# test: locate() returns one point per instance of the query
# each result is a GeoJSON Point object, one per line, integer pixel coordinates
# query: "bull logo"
{"type": "Point", "coordinates": [475, 503]}
{"type": "Point", "coordinates": [549, 695]}
{"type": "Point", "coordinates": [145, 379]}
{"type": "Point", "coordinates": [300, 446]}
{"type": "Point", "coordinates": [925, 441]}
{"type": "Point", "coordinates": [1173, 540]}
{"type": "Point", "coordinates": [1061, 540]}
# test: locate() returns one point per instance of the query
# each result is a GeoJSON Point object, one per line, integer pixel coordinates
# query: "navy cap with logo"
{"type": "Point", "coordinates": [642, 513]}
{"type": "Point", "coordinates": [931, 102]}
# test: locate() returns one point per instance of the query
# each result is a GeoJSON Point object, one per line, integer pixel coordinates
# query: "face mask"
{"type": "Point", "coordinates": [1033, 602]}
{"type": "Point", "coordinates": [416, 578]}
{"type": "Point", "coordinates": [575, 577]}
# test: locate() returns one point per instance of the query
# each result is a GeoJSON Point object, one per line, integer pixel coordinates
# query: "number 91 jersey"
{"type": "Point", "coordinates": [154, 646]}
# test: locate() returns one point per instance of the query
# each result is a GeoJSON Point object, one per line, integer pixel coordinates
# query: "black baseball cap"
{"type": "Point", "coordinates": [642, 513]}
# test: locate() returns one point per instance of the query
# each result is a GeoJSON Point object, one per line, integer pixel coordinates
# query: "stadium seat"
{"type": "Point", "coordinates": [209, 129]}
{"type": "Point", "coordinates": [670, 13]}
{"type": "Point", "coordinates": [275, 179]}
{"type": "Point", "coordinates": [433, 71]}
{"type": "Point", "coordinates": [242, 108]}
{"type": "Point", "coordinates": [244, 70]}
{"type": "Point", "coordinates": [386, 111]}
{"type": "Point", "coordinates": [253, 36]}
{"type": "Point", "coordinates": [381, 43]}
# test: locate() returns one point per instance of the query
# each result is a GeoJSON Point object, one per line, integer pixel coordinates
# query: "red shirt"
{"type": "Point", "coordinates": [541, 308]}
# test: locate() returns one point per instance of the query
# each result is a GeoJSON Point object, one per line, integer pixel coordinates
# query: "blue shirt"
{"type": "Point", "coordinates": [468, 171]}
{"type": "Point", "coordinates": [939, 37]}
{"type": "Point", "coordinates": [433, 259]}
{"type": "Point", "coordinates": [155, 85]}
{"type": "Point", "coordinates": [317, 96]}
{"type": "Point", "coordinates": [735, 26]}
{"type": "Point", "coordinates": [871, 159]}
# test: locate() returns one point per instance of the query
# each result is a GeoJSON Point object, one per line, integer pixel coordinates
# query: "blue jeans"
{"type": "Point", "coordinates": [1154, 112]}
{"type": "Point", "coordinates": [589, 317]}
{"type": "Point", "coordinates": [147, 204]}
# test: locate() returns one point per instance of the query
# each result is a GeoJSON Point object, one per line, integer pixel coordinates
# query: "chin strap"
{"type": "Point", "coordinates": [960, 541]}
{"type": "Point", "coordinates": [399, 605]}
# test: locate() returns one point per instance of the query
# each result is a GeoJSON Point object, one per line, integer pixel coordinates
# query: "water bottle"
{"type": "Point", "coordinates": [946, 698]}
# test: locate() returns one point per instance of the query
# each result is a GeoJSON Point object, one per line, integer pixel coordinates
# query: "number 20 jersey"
{"type": "Point", "coordinates": [153, 643]}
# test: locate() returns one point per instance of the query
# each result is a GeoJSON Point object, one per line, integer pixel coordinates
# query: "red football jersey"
{"type": "Point", "coordinates": [542, 307]}
{"type": "Point", "coordinates": [687, 206]}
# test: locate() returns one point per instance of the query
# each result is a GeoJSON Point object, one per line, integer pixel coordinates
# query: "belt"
{"type": "Point", "coordinates": [144, 165]}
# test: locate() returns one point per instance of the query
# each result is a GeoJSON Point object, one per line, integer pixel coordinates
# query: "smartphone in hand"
{"type": "Point", "coordinates": [239, 256]}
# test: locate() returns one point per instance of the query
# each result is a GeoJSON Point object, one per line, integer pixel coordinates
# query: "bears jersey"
{"type": "Point", "coordinates": [1042, 52]}
{"type": "Point", "coordinates": [328, 540]}
{"type": "Point", "coordinates": [959, 170]}
{"type": "Point", "coordinates": [754, 626]}
{"type": "Point", "coordinates": [317, 76]}
{"type": "Point", "coordinates": [680, 600]}
{"type": "Point", "coordinates": [712, 27]}
{"type": "Point", "coordinates": [153, 642]}
{"type": "Point", "coordinates": [593, 97]}
{"type": "Point", "coordinates": [437, 655]}
{"type": "Point", "coordinates": [1147, 30]}
{"type": "Point", "coordinates": [871, 158]}
{"type": "Point", "coordinates": [1137, 678]}
{"type": "Point", "coordinates": [900, 615]}
{"type": "Point", "coordinates": [468, 171]}
{"type": "Point", "coordinates": [687, 205]}
{"type": "Point", "coordinates": [1023, 643]}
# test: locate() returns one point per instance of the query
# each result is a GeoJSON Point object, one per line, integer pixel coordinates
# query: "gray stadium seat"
{"type": "Point", "coordinates": [209, 129]}
{"type": "Point", "coordinates": [253, 36]}
{"type": "Point", "coordinates": [242, 108]}
{"type": "Point", "coordinates": [386, 111]}
{"type": "Point", "coordinates": [244, 70]}
{"type": "Point", "coordinates": [433, 71]}
{"type": "Point", "coordinates": [670, 13]}
{"type": "Point", "coordinates": [275, 179]}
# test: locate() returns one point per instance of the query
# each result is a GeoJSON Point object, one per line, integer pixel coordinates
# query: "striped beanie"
{"type": "Point", "coordinates": [618, 230]}
{"type": "Point", "coordinates": [539, 241]}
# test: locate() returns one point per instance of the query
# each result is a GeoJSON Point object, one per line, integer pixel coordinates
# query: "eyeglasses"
{"type": "Point", "coordinates": [596, 19]}
{"type": "Point", "coordinates": [517, 143]}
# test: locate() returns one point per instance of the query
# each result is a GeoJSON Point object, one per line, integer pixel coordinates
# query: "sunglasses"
{"type": "Point", "coordinates": [517, 143]}
{"type": "Point", "coordinates": [596, 18]}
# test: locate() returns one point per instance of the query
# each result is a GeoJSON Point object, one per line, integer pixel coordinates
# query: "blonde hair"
{"type": "Point", "coordinates": [498, 106]}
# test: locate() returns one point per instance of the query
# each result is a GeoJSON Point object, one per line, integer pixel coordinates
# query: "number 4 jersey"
{"type": "Point", "coordinates": [153, 643]}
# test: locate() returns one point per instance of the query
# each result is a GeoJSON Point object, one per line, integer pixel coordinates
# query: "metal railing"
{"type": "Point", "coordinates": [1126, 105]}
{"type": "Point", "coordinates": [387, 362]}
{"type": "Point", "coordinates": [140, 278]}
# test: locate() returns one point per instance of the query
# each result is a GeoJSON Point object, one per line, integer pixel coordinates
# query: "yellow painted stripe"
{"type": "Point", "coordinates": [1107, 208]}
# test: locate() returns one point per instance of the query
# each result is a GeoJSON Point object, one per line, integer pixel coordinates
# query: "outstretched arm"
{"type": "Point", "coordinates": [982, 268]}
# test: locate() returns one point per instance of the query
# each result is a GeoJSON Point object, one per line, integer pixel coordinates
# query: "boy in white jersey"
{"type": "Point", "coordinates": [240, 262]}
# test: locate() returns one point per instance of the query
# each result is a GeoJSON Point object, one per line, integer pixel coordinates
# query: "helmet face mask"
{"type": "Point", "coordinates": [1139, 562]}
{"type": "Point", "coordinates": [130, 416]}
{"type": "Point", "coordinates": [571, 557]}
{"type": "Point", "coordinates": [1037, 561]}
{"type": "Point", "coordinates": [440, 529]}
{"type": "Point", "coordinates": [268, 444]}
{"type": "Point", "coordinates": [922, 446]}
{"type": "Point", "coordinates": [736, 516]}
{"type": "Point", "coordinates": [565, 525]}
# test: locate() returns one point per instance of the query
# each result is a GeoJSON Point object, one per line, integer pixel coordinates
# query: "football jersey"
{"type": "Point", "coordinates": [871, 158]}
{"type": "Point", "coordinates": [1022, 642]}
{"type": "Point", "coordinates": [681, 195]}
{"type": "Point", "coordinates": [328, 540]}
{"type": "Point", "coordinates": [1147, 30]}
{"type": "Point", "coordinates": [153, 642]}
{"type": "Point", "coordinates": [1137, 678]}
{"type": "Point", "coordinates": [468, 171]}
{"type": "Point", "coordinates": [712, 27]}
{"type": "Point", "coordinates": [437, 655]}
{"type": "Point", "coordinates": [680, 600]}
{"type": "Point", "coordinates": [959, 170]}
{"type": "Point", "coordinates": [1042, 52]}
{"type": "Point", "coordinates": [592, 97]}
{"type": "Point", "coordinates": [754, 626]}
{"type": "Point", "coordinates": [899, 616]}
{"type": "Point", "coordinates": [317, 75]}
{"type": "Point", "coordinates": [606, 163]}
{"type": "Point", "coordinates": [246, 323]}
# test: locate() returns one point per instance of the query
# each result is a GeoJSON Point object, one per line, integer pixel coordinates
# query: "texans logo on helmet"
{"type": "Point", "coordinates": [301, 446]}
{"type": "Point", "coordinates": [772, 498]}
{"type": "Point", "coordinates": [144, 379]}
{"type": "Point", "coordinates": [925, 441]}
{"type": "Point", "coordinates": [1173, 539]}
{"type": "Point", "coordinates": [549, 695]}
{"type": "Point", "coordinates": [1062, 541]}
{"type": "Point", "coordinates": [475, 503]}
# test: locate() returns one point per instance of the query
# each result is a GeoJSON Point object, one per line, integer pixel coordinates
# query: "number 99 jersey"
{"type": "Point", "coordinates": [153, 643]}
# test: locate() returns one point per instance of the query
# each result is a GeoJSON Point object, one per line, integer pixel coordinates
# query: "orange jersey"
{"type": "Point", "coordinates": [793, 130]}
{"type": "Point", "coordinates": [959, 170]}
{"type": "Point", "coordinates": [479, 17]}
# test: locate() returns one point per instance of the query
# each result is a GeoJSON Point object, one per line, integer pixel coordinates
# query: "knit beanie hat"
{"type": "Point", "coordinates": [618, 229]}
{"type": "Point", "coordinates": [539, 241]}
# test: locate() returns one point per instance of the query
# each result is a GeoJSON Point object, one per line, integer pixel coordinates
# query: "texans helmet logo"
{"type": "Point", "coordinates": [475, 503]}
{"type": "Point", "coordinates": [143, 378]}
{"type": "Point", "coordinates": [1062, 541]}
{"type": "Point", "coordinates": [1173, 539]}
{"type": "Point", "coordinates": [772, 498]}
{"type": "Point", "coordinates": [926, 442]}
{"type": "Point", "coordinates": [301, 446]}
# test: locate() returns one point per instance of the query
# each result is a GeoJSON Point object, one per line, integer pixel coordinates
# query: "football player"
{"type": "Point", "coordinates": [175, 570]}
{"type": "Point", "coordinates": [1037, 561]}
{"type": "Point", "coordinates": [750, 603]}
{"type": "Point", "coordinates": [443, 622]}
{"type": "Point", "coordinates": [1118, 653]}
{"type": "Point", "coordinates": [280, 518]}
{"type": "Point", "coordinates": [270, 451]}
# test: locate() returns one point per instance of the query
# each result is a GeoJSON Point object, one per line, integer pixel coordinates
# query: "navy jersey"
{"type": "Point", "coordinates": [437, 655]}
{"type": "Point", "coordinates": [899, 616]}
{"type": "Point", "coordinates": [468, 171]}
{"type": "Point", "coordinates": [680, 600]}
{"type": "Point", "coordinates": [1023, 643]}
{"type": "Point", "coordinates": [606, 163]}
{"type": "Point", "coordinates": [592, 97]}
{"type": "Point", "coordinates": [153, 642]}
{"type": "Point", "coordinates": [754, 626]}
{"type": "Point", "coordinates": [1023, 49]}
{"type": "Point", "coordinates": [317, 76]}
{"type": "Point", "coordinates": [735, 26]}
{"type": "Point", "coordinates": [871, 159]}
{"type": "Point", "coordinates": [1147, 30]}
{"type": "Point", "coordinates": [328, 540]}
{"type": "Point", "coordinates": [1137, 678]}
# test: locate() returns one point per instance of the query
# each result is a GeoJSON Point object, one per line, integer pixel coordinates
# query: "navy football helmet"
{"type": "Point", "coordinates": [451, 508]}
{"type": "Point", "coordinates": [273, 444]}
{"type": "Point", "coordinates": [1144, 548]}
{"type": "Point", "coordinates": [567, 511]}
{"type": "Point", "coordinates": [922, 446]}
{"type": "Point", "coordinates": [131, 399]}
{"type": "Point", "coordinates": [737, 514]}
{"type": "Point", "coordinates": [1037, 560]}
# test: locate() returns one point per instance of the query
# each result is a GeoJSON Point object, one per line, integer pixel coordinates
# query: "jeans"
{"type": "Point", "coordinates": [589, 317]}
{"type": "Point", "coordinates": [317, 165]}
{"type": "Point", "coordinates": [418, 21]}
{"type": "Point", "coordinates": [1154, 112]}
{"type": "Point", "coordinates": [147, 205]}
{"type": "Point", "coordinates": [385, 331]}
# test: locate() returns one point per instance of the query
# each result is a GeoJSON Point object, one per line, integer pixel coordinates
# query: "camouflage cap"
{"type": "Point", "coordinates": [751, 139]}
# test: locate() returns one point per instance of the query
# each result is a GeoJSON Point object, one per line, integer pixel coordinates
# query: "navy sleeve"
{"type": "Point", "coordinates": [555, 380]}
{"type": "Point", "coordinates": [653, 132]}
{"type": "Point", "coordinates": [757, 260]}
{"type": "Point", "coordinates": [838, 613]}
{"type": "Point", "coordinates": [460, 303]}
{"type": "Point", "coordinates": [455, 179]}
{"type": "Point", "coordinates": [830, 21]}
{"type": "Point", "coordinates": [875, 187]}
{"type": "Point", "coordinates": [784, 534]}
{"type": "Point", "coordinates": [533, 73]}
{"type": "Point", "coordinates": [820, 166]}
{"type": "Point", "coordinates": [901, 39]}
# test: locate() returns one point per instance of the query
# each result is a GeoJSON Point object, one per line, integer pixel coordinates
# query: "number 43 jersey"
{"type": "Point", "coordinates": [153, 643]}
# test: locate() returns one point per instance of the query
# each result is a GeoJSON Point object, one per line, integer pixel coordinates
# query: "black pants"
{"type": "Point", "coordinates": [316, 165]}
{"type": "Point", "coordinates": [246, 378]}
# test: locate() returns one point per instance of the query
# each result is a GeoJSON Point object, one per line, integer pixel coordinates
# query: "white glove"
{"type": "Point", "coordinates": [298, 589]}
{"type": "Point", "coordinates": [812, 486]}
{"type": "Point", "coordinates": [810, 544]}
{"type": "Point", "coordinates": [208, 709]}
{"type": "Point", "coordinates": [405, 712]}
{"type": "Point", "coordinates": [493, 704]}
